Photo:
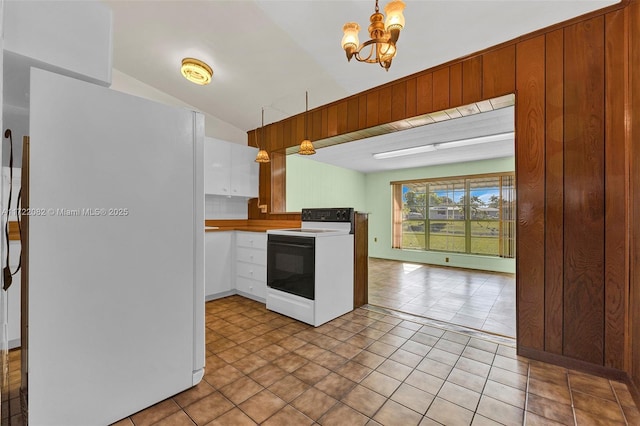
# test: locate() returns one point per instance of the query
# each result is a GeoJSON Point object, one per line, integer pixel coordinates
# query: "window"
{"type": "Point", "coordinates": [473, 215]}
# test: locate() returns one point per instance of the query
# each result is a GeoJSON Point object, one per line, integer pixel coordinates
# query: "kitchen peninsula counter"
{"type": "Point", "coordinates": [236, 257]}
{"type": "Point", "coordinates": [361, 274]}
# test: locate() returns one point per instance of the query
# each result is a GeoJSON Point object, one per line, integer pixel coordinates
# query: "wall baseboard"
{"type": "Point", "coordinates": [234, 292]}
{"type": "Point", "coordinates": [585, 367]}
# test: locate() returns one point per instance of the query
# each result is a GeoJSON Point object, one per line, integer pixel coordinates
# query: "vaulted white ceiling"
{"type": "Point", "coordinates": [267, 53]}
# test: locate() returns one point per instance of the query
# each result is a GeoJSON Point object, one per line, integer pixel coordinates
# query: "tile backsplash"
{"type": "Point", "coordinates": [221, 207]}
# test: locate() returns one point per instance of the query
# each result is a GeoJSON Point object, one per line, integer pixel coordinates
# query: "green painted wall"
{"type": "Point", "coordinates": [314, 184]}
{"type": "Point", "coordinates": [378, 197]}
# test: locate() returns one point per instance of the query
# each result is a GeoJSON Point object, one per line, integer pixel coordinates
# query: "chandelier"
{"type": "Point", "coordinates": [381, 48]}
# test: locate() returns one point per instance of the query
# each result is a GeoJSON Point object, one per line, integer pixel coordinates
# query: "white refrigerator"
{"type": "Point", "coordinates": [115, 252]}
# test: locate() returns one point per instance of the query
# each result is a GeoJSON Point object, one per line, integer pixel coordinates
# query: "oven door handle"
{"type": "Point", "coordinates": [302, 246]}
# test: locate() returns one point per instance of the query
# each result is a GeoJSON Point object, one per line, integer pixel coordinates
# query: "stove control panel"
{"type": "Point", "coordinates": [343, 214]}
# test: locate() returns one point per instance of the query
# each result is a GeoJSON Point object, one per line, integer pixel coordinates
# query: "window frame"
{"type": "Point", "coordinates": [506, 219]}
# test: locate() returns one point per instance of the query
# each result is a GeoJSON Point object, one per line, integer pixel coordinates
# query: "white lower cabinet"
{"type": "Point", "coordinates": [218, 274]}
{"type": "Point", "coordinates": [236, 263]}
{"type": "Point", "coordinates": [251, 264]}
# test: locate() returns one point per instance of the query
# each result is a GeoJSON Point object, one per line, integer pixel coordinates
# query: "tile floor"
{"type": "Point", "coordinates": [470, 298]}
{"type": "Point", "coordinates": [11, 409]}
{"type": "Point", "coordinates": [381, 366]}
{"type": "Point", "coordinates": [374, 366]}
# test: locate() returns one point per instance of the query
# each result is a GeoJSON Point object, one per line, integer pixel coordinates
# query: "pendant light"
{"type": "Point", "coordinates": [306, 147]}
{"type": "Point", "coordinates": [263, 156]}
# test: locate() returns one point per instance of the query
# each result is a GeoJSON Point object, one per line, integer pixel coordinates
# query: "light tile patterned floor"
{"type": "Point", "coordinates": [373, 367]}
{"type": "Point", "coordinates": [470, 298]}
{"type": "Point", "coordinates": [11, 409]}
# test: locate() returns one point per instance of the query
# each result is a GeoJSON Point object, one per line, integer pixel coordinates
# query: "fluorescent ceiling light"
{"type": "Point", "coordinates": [474, 141]}
{"type": "Point", "coordinates": [405, 151]}
{"type": "Point", "coordinates": [443, 145]}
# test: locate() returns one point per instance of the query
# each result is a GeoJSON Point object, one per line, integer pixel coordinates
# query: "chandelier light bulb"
{"type": "Point", "coordinates": [350, 38]}
{"type": "Point", "coordinates": [395, 18]}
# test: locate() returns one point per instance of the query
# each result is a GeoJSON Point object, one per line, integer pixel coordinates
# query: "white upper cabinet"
{"type": "Point", "coordinates": [230, 169]}
{"type": "Point", "coordinates": [217, 167]}
{"type": "Point", "coordinates": [68, 37]}
{"type": "Point", "coordinates": [244, 171]}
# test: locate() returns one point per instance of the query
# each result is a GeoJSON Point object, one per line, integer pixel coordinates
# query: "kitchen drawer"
{"type": "Point", "coordinates": [257, 289]}
{"type": "Point", "coordinates": [256, 240]}
{"type": "Point", "coordinates": [251, 255]}
{"type": "Point", "coordinates": [251, 271]}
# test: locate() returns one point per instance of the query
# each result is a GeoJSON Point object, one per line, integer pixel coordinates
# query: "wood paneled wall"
{"type": "Point", "coordinates": [632, 131]}
{"type": "Point", "coordinates": [576, 84]}
{"type": "Point", "coordinates": [572, 188]}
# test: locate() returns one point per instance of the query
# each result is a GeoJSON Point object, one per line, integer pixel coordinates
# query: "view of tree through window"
{"type": "Point", "coordinates": [473, 215]}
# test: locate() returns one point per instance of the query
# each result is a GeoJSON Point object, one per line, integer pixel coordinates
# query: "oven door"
{"type": "Point", "coordinates": [291, 264]}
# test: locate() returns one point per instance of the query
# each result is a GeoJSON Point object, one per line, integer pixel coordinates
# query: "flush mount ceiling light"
{"type": "Point", "coordinates": [196, 71]}
{"type": "Point", "coordinates": [306, 147]}
{"type": "Point", "coordinates": [443, 145]}
{"type": "Point", "coordinates": [263, 155]}
{"type": "Point", "coordinates": [381, 48]}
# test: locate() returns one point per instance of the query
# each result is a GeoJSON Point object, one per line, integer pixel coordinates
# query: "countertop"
{"type": "Point", "coordinates": [249, 225]}
{"type": "Point", "coordinates": [243, 228]}
{"type": "Point", "coordinates": [220, 226]}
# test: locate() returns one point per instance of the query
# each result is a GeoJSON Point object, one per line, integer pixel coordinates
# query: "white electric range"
{"type": "Point", "coordinates": [310, 269]}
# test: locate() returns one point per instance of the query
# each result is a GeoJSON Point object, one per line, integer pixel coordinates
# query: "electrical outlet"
{"type": "Point", "coordinates": [375, 239]}
{"type": "Point", "coordinates": [263, 208]}
{"type": "Point", "coordinates": [446, 259]}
